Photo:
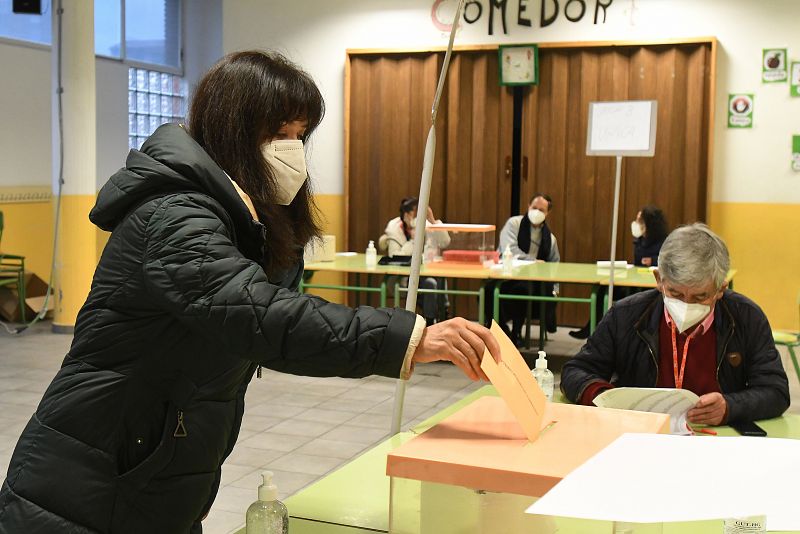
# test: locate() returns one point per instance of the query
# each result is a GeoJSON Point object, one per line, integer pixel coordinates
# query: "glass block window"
{"type": "Point", "coordinates": [154, 98]}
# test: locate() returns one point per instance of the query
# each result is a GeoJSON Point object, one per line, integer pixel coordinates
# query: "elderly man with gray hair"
{"type": "Point", "coordinates": [691, 332]}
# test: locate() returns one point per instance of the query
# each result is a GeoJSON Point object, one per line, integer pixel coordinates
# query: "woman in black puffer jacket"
{"type": "Point", "coordinates": [196, 288]}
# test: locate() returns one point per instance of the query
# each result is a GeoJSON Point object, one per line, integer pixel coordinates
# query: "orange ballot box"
{"type": "Point", "coordinates": [483, 447]}
{"type": "Point", "coordinates": [481, 467]}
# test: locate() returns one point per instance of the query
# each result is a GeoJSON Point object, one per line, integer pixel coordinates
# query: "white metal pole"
{"type": "Point", "coordinates": [614, 231]}
{"type": "Point", "coordinates": [422, 213]}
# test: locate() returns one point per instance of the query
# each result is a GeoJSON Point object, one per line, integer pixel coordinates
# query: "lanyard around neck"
{"type": "Point", "coordinates": [678, 375]}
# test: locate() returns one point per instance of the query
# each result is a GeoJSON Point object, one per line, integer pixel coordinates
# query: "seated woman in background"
{"type": "Point", "coordinates": [398, 240]}
{"type": "Point", "coordinates": [649, 231]}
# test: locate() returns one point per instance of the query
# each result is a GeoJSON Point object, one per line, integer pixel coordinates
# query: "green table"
{"type": "Point", "coordinates": [560, 272]}
{"type": "Point", "coordinates": [356, 264]}
{"type": "Point", "coordinates": [355, 498]}
{"type": "Point", "coordinates": [576, 273]}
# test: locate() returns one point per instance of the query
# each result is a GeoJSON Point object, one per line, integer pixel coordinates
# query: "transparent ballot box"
{"type": "Point", "coordinates": [468, 244]}
{"type": "Point", "coordinates": [420, 507]}
{"type": "Point", "coordinates": [476, 472]}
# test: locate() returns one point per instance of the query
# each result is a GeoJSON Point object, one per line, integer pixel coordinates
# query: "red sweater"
{"type": "Point", "coordinates": [700, 375]}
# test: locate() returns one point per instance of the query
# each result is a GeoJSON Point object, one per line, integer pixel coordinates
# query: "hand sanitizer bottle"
{"type": "Point", "coordinates": [508, 260]}
{"type": "Point", "coordinates": [267, 515]}
{"type": "Point", "coordinates": [372, 256]}
{"type": "Point", "coordinates": [543, 375]}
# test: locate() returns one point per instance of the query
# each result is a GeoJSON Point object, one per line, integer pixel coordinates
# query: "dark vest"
{"type": "Point", "coordinates": [524, 239]}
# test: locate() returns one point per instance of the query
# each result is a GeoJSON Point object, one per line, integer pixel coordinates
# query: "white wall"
{"type": "Point", "coordinates": [24, 116]}
{"type": "Point", "coordinates": [749, 165]}
{"type": "Point", "coordinates": [26, 110]}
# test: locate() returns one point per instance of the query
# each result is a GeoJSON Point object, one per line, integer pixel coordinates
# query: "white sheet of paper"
{"type": "Point", "coordinates": [675, 402]}
{"type": "Point", "coordinates": [606, 264]}
{"type": "Point", "coordinates": [517, 263]}
{"type": "Point", "coordinates": [650, 478]}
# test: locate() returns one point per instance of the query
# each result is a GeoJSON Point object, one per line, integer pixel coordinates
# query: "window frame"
{"type": "Point", "coordinates": [179, 70]}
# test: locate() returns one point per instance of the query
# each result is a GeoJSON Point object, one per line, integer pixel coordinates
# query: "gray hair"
{"type": "Point", "coordinates": [692, 255]}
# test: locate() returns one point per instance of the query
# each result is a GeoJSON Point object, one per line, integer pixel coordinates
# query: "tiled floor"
{"type": "Point", "coordinates": [300, 428]}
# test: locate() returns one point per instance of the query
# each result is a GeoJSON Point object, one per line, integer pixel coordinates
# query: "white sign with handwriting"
{"type": "Point", "coordinates": [624, 128]}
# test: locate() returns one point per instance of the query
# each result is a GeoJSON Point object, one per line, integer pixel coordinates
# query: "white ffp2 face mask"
{"type": "Point", "coordinates": [288, 162]}
{"type": "Point", "coordinates": [636, 230]}
{"type": "Point", "coordinates": [536, 216]}
{"type": "Point", "coordinates": [685, 315]}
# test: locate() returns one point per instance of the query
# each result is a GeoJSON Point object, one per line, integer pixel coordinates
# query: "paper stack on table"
{"type": "Point", "coordinates": [675, 402]}
{"type": "Point", "coordinates": [653, 478]}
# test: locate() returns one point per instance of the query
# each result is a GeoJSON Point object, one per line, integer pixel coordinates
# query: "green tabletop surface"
{"type": "Point", "coordinates": [357, 264]}
{"type": "Point", "coordinates": [355, 498]}
{"type": "Point", "coordinates": [582, 273]}
{"type": "Point", "coordinates": [579, 273]}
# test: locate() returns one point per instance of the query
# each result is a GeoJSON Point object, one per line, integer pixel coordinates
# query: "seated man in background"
{"type": "Point", "coordinates": [398, 240]}
{"type": "Point", "coordinates": [691, 333]}
{"type": "Point", "coordinates": [529, 238]}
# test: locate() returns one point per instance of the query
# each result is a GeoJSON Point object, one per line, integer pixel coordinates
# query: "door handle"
{"type": "Point", "coordinates": [508, 167]}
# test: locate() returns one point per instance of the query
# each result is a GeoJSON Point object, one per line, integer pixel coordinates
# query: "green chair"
{"type": "Point", "coordinates": [790, 340]}
{"type": "Point", "coordinates": [12, 272]}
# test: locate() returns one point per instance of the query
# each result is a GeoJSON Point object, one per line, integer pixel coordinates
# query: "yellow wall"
{"type": "Point", "coordinates": [332, 209]}
{"type": "Point", "coordinates": [764, 243]}
{"type": "Point", "coordinates": [29, 232]}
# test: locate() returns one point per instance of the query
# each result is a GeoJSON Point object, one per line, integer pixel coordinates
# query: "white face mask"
{"type": "Point", "coordinates": [636, 229]}
{"type": "Point", "coordinates": [685, 315]}
{"type": "Point", "coordinates": [411, 222]}
{"type": "Point", "coordinates": [288, 162]}
{"type": "Point", "coordinates": [536, 216]}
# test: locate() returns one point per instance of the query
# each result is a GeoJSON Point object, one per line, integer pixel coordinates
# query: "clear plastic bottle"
{"type": "Point", "coordinates": [267, 515]}
{"type": "Point", "coordinates": [543, 375]}
{"type": "Point", "coordinates": [372, 256]}
{"type": "Point", "coordinates": [508, 260]}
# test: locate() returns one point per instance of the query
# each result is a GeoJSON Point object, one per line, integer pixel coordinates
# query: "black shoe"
{"type": "Point", "coordinates": [583, 333]}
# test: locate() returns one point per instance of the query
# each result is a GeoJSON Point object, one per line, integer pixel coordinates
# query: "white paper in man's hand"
{"type": "Point", "coordinates": [675, 402]}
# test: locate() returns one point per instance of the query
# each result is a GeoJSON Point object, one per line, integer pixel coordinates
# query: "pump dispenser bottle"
{"type": "Point", "coordinates": [267, 515]}
{"type": "Point", "coordinates": [508, 260]}
{"type": "Point", "coordinates": [372, 256]}
{"type": "Point", "coordinates": [543, 375]}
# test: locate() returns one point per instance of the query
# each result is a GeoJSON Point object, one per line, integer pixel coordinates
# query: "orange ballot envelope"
{"type": "Point", "coordinates": [515, 384]}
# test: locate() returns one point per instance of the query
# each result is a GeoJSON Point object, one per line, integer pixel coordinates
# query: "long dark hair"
{"type": "Point", "coordinates": [656, 228]}
{"type": "Point", "coordinates": [407, 205]}
{"type": "Point", "coordinates": [241, 103]}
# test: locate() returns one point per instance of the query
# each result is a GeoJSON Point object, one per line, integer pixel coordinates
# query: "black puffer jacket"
{"type": "Point", "coordinates": [130, 435]}
{"type": "Point", "coordinates": [624, 350]}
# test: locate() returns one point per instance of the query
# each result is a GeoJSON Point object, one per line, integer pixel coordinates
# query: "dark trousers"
{"type": "Point", "coordinates": [516, 310]}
